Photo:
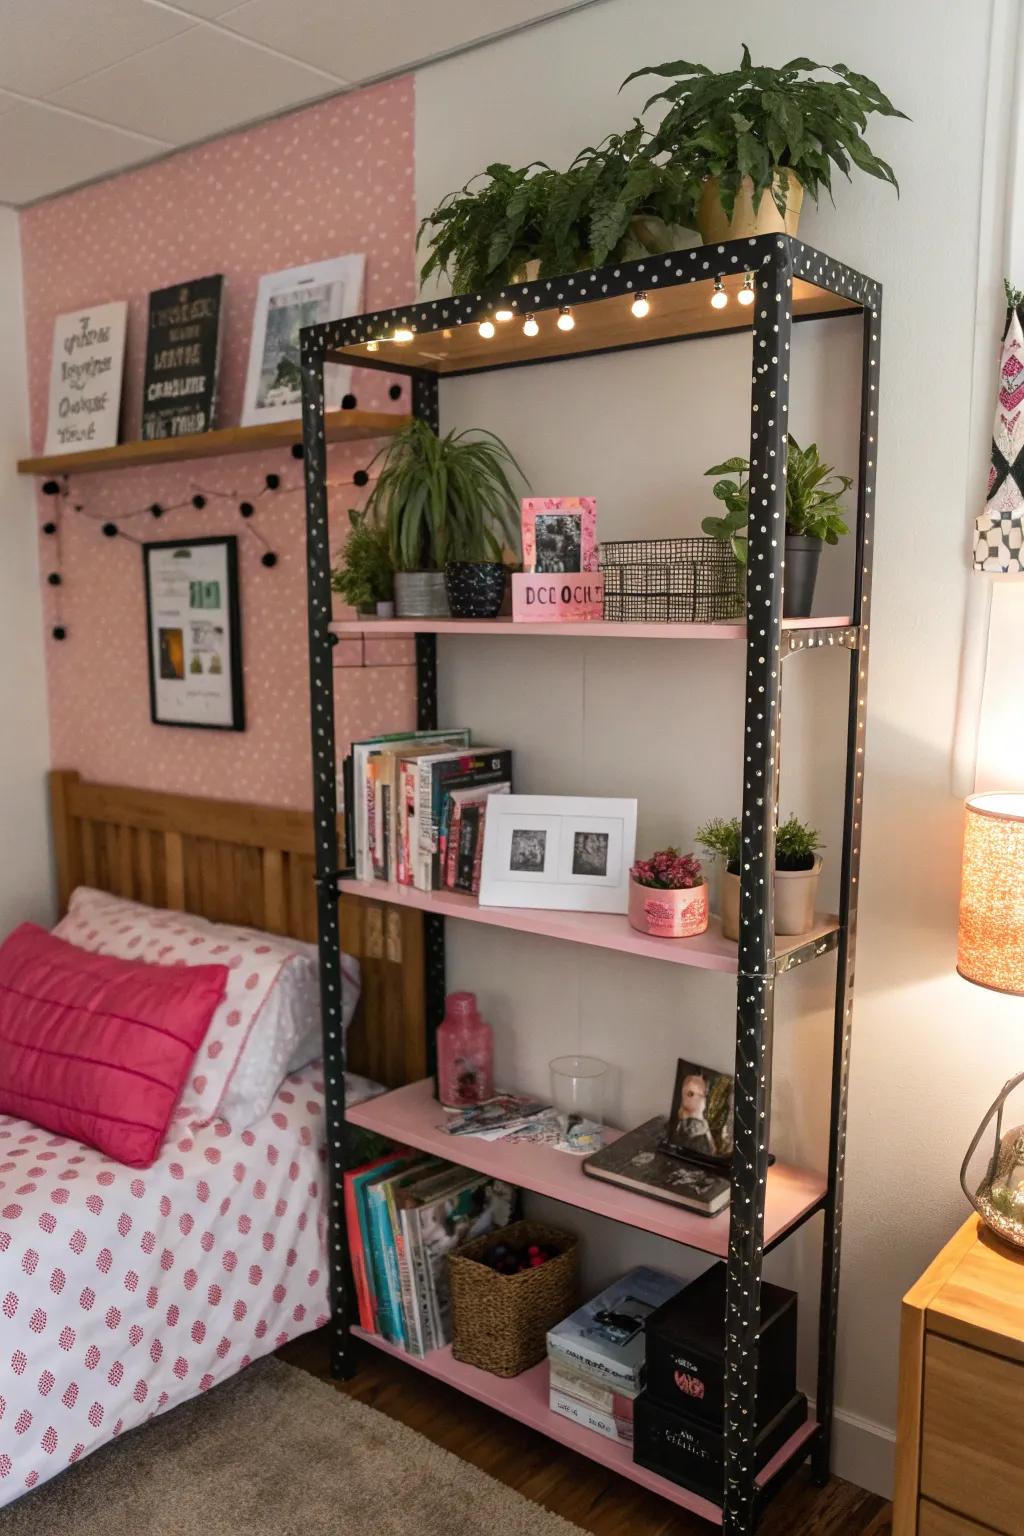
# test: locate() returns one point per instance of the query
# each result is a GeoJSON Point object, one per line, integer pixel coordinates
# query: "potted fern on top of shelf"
{"type": "Point", "coordinates": [618, 199]}
{"type": "Point", "coordinates": [754, 139]}
{"type": "Point", "coordinates": [448, 507]}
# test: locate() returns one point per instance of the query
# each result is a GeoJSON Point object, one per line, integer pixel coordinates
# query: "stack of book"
{"type": "Point", "coordinates": [405, 1212]}
{"type": "Point", "coordinates": [596, 1356]}
{"type": "Point", "coordinates": [416, 805]}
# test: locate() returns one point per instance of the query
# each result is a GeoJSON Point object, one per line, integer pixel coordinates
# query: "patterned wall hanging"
{"type": "Point", "coordinates": [999, 529]}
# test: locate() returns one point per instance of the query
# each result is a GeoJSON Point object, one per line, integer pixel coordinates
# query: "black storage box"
{"type": "Point", "coordinates": [686, 1350]}
{"type": "Point", "coordinates": [690, 1452]}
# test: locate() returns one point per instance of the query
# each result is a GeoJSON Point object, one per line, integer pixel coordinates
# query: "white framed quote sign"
{"type": "Point", "coordinates": [85, 378]}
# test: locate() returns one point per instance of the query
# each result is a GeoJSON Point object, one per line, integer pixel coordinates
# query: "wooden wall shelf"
{"type": "Point", "coordinates": [342, 427]}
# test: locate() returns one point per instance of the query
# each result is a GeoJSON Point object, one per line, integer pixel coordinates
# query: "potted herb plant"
{"type": "Point", "coordinates": [619, 199]}
{"type": "Point", "coordinates": [755, 139]}
{"type": "Point", "coordinates": [814, 516]}
{"type": "Point", "coordinates": [447, 505]}
{"type": "Point", "coordinates": [366, 578]}
{"type": "Point", "coordinates": [668, 896]}
{"type": "Point", "coordinates": [797, 872]}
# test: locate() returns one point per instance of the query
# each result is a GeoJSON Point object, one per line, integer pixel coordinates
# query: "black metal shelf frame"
{"type": "Point", "coordinates": [775, 262]}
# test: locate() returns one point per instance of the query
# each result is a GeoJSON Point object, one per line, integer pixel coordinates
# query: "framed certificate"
{"type": "Point", "coordinates": [194, 633]}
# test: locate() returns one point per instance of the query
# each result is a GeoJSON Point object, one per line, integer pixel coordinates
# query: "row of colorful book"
{"type": "Point", "coordinates": [416, 807]}
{"type": "Point", "coordinates": [405, 1212]}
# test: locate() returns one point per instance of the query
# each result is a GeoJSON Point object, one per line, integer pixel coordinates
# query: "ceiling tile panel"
{"type": "Point", "coordinates": [44, 47]}
{"type": "Point", "coordinates": [209, 10]}
{"type": "Point", "coordinates": [359, 41]}
{"type": "Point", "coordinates": [42, 151]}
{"type": "Point", "coordinates": [200, 83]}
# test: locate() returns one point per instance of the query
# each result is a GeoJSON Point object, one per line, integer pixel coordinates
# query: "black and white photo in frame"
{"type": "Point", "coordinates": [85, 378]}
{"type": "Point", "coordinates": [286, 302]}
{"type": "Point", "coordinates": [194, 633]}
{"type": "Point", "coordinates": [561, 852]}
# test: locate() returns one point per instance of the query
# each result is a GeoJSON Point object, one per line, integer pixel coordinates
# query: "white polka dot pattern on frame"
{"type": "Point", "coordinates": [330, 179]}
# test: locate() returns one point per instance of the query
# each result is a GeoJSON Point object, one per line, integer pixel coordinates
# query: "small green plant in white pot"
{"type": "Point", "coordinates": [797, 872]}
{"type": "Point", "coordinates": [366, 578]}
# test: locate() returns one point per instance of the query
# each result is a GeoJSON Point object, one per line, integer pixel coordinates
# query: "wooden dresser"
{"type": "Point", "coordinates": [960, 1427]}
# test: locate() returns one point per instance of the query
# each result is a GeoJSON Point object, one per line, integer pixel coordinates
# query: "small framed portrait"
{"type": "Point", "coordinates": [194, 629]}
{"type": "Point", "coordinates": [558, 851]}
{"type": "Point", "coordinates": [700, 1125]}
{"type": "Point", "coordinates": [559, 534]}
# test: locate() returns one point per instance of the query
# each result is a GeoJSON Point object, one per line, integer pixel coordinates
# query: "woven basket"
{"type": "Point", "coordinates": [682, 581]}
{"type": "Point", "coordinates": [500, 1322]}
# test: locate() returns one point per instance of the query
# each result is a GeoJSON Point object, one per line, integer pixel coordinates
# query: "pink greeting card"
{"type": "Point", "coordinates": [559, 534]}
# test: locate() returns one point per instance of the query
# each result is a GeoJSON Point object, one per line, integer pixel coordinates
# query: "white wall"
{"type": "Point", "coordinates": [25, 880]}
{"type": "Point", "coordinates": [611, 718]}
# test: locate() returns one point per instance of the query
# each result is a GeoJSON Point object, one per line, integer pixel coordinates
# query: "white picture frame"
{"type": "Point", "coordinates": [86, 370]}
{"type": "Point", "coordinates": [567, 853]}
{"type": "Point", "coordinates": [286, 302]}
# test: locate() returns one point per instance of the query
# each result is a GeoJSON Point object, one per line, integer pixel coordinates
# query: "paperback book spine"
{"type": "Point", "coordinates": [385, 1269]}
{"type": "Point", "coordinates": [405, 1249]}
{"type": "Point", "coordinates": [357, 1255]}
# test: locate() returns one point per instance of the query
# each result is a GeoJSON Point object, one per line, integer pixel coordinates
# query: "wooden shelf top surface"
{"type": "Point", "coordinates": [341, 426]}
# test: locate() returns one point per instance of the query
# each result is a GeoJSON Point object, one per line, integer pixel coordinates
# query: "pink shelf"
{"type": "Point", "coordinates": [390, 628]}
{"type": "Point", "coordinates": [603, 930]}
{"type": "Point", "coordinates": [412, 1115]}
{"type": "Point", "coordinates": [525, 1398]}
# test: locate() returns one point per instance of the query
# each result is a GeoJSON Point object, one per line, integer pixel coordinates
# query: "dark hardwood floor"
{"type": "Point", "coordinates": [573, 1486]}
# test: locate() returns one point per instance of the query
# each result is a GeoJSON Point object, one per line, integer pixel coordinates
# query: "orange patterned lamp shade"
{"type": "Point", "coordinates": [990, 949]}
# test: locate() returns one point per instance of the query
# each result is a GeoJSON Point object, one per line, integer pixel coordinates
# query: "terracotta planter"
{"type": "Point", "coordinates": [668, 914]}
{"type": "Point", "coordinates": [796, 895]}
{"type": "Point", "coordinates": [747, 221]}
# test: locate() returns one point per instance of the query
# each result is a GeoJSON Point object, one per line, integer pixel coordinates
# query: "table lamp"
{"type": "Point", "coordinates": [990, 952]}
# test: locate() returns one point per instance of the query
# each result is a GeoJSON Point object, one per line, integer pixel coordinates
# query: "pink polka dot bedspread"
{"type": "Point", "coordinates": [122, 1293]}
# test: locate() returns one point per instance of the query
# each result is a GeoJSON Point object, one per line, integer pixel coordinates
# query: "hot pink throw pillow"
{"type": "Point", "coordinates": [97, 1048]}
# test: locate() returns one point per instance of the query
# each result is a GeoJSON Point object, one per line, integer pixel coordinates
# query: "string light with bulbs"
{"type": "Point", "coordinates": [60, 492]}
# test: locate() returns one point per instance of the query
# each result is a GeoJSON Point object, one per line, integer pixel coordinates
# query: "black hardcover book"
{"type": "Point", "coordinates": [469, 832]}
{"type": "Point", "coordinates": [179, 389]}
{"type": "Point", "coordinates": [685, 1350]}
{"type": "Point", "coordinates": [692, 1453]}
{"type": "Point", "coordinates": [636, 1162]}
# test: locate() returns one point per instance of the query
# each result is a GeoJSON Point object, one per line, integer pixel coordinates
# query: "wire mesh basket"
{"type": "Point", "coordinates": [676, 581]}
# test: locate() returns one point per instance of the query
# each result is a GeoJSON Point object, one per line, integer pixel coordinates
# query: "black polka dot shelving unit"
{"type": "Point", "coordinates": [760, 287]}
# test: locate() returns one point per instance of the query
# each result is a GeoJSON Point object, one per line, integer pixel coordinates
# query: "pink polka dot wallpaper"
{"type": "Point", "coordinates": [329, 180]}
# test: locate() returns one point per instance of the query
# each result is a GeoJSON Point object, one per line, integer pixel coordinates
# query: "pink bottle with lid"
{"type": "Point", "coordinates": [465, 1054]}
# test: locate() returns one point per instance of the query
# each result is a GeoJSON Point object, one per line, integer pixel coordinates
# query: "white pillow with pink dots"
{"type": "Point", "coordinates": [270, 1008]}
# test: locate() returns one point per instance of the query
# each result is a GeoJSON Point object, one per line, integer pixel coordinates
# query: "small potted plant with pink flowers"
{"type": "Point", "coordinates": [668, 896]}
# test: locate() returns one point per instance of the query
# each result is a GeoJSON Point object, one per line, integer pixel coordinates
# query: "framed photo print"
{"type": "Point", "coordinates": [559, 534]}
{"type": "Point", "coordinates": [562, 852]}
{"type": "Point", "coordinates": [194, 633]}
{"type": "Point", "coordinates": [285, 303]}
{"type": "Point", "coordinates": [700, 1125]}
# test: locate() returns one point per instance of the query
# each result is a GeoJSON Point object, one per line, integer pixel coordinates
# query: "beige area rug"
{"type": "Point", "coordinates": [274, 1452]}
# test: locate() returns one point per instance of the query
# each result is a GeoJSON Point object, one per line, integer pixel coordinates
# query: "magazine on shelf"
{"type": "Point", "coordinates": [605, 1336]}
{"type": "Point", "coordinates": [497, 1118]}
{"type": "Point", "coordinates": [359, 1244]}
{"type": "Point", "coordinates": [636, 1162]}
{"type": "Point", "coordinates": [380, 1195]}
{"type": "Point", "coordinates": [431, 1184]}
{"type": "Point", "coordinates": [453, 1216]}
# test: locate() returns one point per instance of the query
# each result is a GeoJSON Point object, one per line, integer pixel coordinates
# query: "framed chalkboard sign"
{"type": "Point", "coordinates": [179, 389]}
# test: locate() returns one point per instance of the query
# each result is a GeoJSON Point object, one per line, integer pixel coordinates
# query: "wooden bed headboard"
{"type": "Point", "coordinates": [252, 865]}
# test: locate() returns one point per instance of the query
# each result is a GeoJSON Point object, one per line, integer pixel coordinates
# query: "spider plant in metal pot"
{"type": "Point", "coordinates": [755, 139]}
{"type": "Point", "coordinates": [447, 502]}
{"type": "Point", "coordinates": [814, 516]}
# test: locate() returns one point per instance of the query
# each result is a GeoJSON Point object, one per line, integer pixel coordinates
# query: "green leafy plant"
{"type": "Point", "coordinates": [723, 840]}
{"type": "Point", "coordinates": [447, 498]}
{"type": "Point", "coordinates": [366, 576]}
{"type": "Point", "coordinates": [482, 236]}
{"type": "Point", "coordinates": [757, 121]}
{"type": "Point", "coordinates": [795, 843]}
{"type": "Point", "coordinates": [814, 493]}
